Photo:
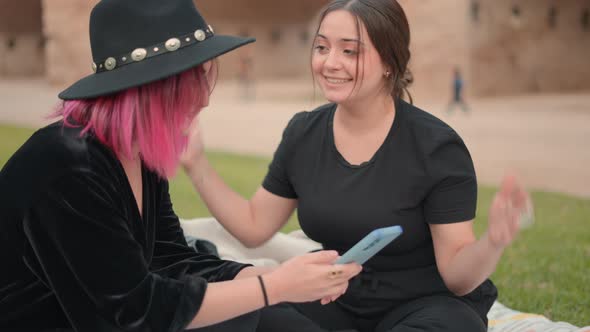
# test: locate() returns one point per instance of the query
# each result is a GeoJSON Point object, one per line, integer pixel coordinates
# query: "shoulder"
{"type": "Point", "coordinates": [428, 131]}
{"type": "Point", "coordinates": [308, 123]}
{"type": "Point", "coordinates": [56, 148]}
{"type": "Point", "coordinates": [305, 120]}
{"type": "Point", "coordinates": [441, 149]}
{"type": "Point", "coordinates": [50, 153]}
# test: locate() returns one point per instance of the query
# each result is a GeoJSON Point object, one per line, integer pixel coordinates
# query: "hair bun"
{"type": "Point", "coordinates": [406, 80]}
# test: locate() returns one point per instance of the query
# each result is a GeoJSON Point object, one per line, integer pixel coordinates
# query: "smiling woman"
{"type": "Point", "coordinates": [368, 160]}
{"type": "Point", "coordinates": [345, 46]}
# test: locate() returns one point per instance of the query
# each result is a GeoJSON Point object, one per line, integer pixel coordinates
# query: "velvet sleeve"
{"type": "Point", "coordinates": [83, 249]}
{"type": "Point", "coordinates": [174, 258]}
{"type": "Point", "coordinates": [453, 196]}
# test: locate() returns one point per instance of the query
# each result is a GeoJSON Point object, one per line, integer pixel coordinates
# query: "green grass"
{"type": "Point", "coordinates": [547, 270]}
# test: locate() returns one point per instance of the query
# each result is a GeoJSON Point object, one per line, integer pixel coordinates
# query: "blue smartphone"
{"type": "Point", "coordinates": [370, 245]}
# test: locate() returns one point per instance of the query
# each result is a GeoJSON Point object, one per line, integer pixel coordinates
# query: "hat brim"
{"type": "Point", "coordinates": [152, 69]}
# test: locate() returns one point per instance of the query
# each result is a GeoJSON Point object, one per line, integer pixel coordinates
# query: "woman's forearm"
{"type": "Point", "coordinates": [217, 307]}
{"type": "Point", "coordinates": [233, 211]}
{"type": "Point", "coordinates": [473, 263]}
{"type": "Point", "coordinates": [301, 279]}
{"type": "Point", "coordinates": [253, 271]}
{"type": "Point", "coordinates": [471, 266]}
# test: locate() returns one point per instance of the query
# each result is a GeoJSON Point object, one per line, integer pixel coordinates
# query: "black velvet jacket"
{"type": "Point", "coordinates": [77, 253]}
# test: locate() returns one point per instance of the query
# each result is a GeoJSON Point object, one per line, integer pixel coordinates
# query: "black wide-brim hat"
{"type": "Point", "coordinates": [135, 42]}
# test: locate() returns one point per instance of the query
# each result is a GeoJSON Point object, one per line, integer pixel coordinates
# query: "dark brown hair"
{"type": "Point", "coordinates": [389, 30]}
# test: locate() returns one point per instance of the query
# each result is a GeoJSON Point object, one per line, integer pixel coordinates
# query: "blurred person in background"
{"type": "Point", "coordinates": [246, 72]}
{"type": "Point", "coordinates": [458, 99]}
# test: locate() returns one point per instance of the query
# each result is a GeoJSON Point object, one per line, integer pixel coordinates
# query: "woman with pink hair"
{"type": "Point", "coordinates": [90, 241]}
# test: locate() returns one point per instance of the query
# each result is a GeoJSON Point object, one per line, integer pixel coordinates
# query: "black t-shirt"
{"type": "Point", "coordinates": [422, 174]}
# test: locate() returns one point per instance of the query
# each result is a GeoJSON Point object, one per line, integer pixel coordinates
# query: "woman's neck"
{"type": "Point", "coordinates": [134, 161]}
{"type": "Point", "coordinates": [364, 116]}
{"type": "Point", "coordinates": [132, 168]}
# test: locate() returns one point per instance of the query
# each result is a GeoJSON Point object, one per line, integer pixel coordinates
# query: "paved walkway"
{"type": "Point", "coordinates": [544, 138]}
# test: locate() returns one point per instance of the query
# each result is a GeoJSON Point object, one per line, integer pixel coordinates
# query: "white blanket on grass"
{"type": "Point", "coordinates": [282, 247]}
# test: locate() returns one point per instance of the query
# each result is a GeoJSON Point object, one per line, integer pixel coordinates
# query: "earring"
{"type": "Point", "coordinates": [387, 74]}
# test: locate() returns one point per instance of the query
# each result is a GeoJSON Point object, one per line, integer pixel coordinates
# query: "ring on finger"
{"type": "Point", "coordinates": [334, 274]}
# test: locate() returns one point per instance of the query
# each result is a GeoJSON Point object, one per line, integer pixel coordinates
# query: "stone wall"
{"type": "Point", "coordinates": [65, 23]}
{"type": "Point", "coordinates": [439, 43]}
{"type": "Point", "coordinates": [501, 50]}
{"type": "Point", "coordinates": [260, 11]}
{"type": "Point", "coordinates": [530, 46]}
{"type": "Point", "coordinates": [21, 39]}
{"type": "Point", "coordinates": [282, 30]}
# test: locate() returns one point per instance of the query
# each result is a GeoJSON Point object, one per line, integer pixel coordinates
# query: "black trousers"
{"type": "Point", "coordinates": [434, 313]}
{"type": "Point", "coordinates": [244, 323]}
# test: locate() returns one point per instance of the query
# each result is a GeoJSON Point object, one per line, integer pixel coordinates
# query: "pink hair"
{"type": "Point", "coordinates": [149, 119]}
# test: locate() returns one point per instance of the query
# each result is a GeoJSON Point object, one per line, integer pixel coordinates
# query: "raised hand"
{"type": "Point", "coordinates": [195, 149]}
{"type": "Point", "coordinates": [510, 207]}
